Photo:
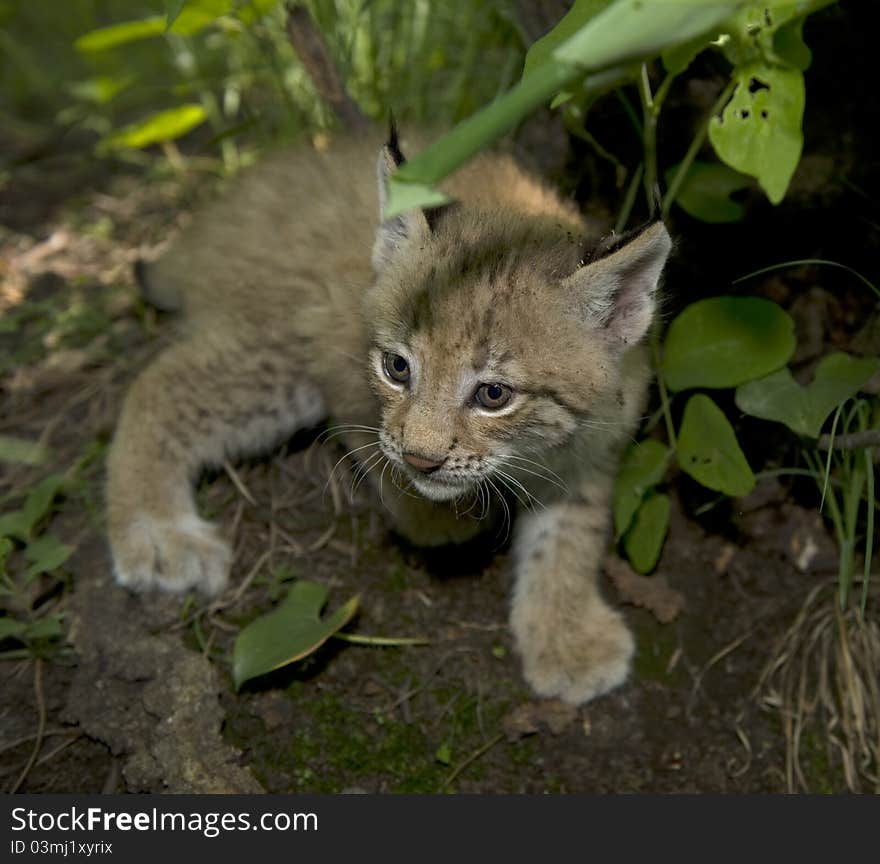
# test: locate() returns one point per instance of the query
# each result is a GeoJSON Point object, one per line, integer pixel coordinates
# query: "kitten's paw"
{"type": "Point", "coordinates": [574, 664]}
{"type": "Point", "coordinates": [173, 556]}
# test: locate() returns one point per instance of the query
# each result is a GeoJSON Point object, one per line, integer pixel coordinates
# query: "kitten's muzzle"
{"type": "Point", "coordinates": [425, 464]}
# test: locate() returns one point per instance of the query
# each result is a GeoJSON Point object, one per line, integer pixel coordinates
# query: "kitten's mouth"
{"type": "Point", "coordinates": [436, 488]}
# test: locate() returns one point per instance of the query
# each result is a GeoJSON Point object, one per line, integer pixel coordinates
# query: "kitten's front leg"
{"type": "Point", "coordinates": [573, 645]}
{"type": "Point", "coordinates": [200, 402]}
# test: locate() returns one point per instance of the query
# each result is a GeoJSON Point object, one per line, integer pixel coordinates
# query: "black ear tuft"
{"type": "Point", "coordinates": [393, 144]}
{"type": "Point", "coordinates": [609, 244]}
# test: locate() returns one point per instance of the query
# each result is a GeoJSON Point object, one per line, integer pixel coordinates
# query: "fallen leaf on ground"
{"type": "Point", "coordinates": [650, 592]}
{"type": "Point", "coordinates": [528, 718]}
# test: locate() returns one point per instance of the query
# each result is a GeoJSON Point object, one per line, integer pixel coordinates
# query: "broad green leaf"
{"type": "Point", "coordinates": [725, 341]}
{"type": "Point", "coordinates": [805, 409]}
{"type": "Point", "coordinates": [708, 449]}
{"type": "Point", "coordinates": [407, 196]}
{"type": "Point", "coordinates": [164, 126]}
{"type": "Point", "coordinates": [753, 33]}
{"type": "Point", "coordinates": [759, 130]}
{"type": "Point", "coordinates": [38, 503]}
{"type": "Point", "coordinates": [579, 14]}
{"type": "Point", "coordinates": [706, 189]}
{"type": "Point", "coordinates": [45, 628]}
{"type": "Point", "coordinates": [677, 58]}
{"type": "Point", "coordinates": [11, 627]}
{"type": "Point", "coordinates": [630, 30]}
{"type": "Point", "coordinates": [644, 540]}
{"type": "Point", "coordinates": [789, 45]}
{"type": "Point", "coordinates": [643, 466]}
{"type": "Point", "coordinates": [290, 632]}
{"type": "Point", "coordinates": [46, 554]}
{"type": "Point", "coordinates": [21, 450]}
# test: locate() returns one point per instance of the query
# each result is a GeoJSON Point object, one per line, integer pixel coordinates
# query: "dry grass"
{"type": "Point", "coordinates": [822, 682]}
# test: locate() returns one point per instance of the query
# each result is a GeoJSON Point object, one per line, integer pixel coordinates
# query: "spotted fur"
{"type": "Point", "coordinates": [296, 293]}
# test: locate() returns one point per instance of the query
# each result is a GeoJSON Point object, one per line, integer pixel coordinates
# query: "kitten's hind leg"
{"type": "Point", "coordinates": [199, 403]}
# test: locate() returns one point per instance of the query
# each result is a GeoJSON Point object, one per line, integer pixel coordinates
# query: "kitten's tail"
{"type": "Point", "coordinates": [157, 292]}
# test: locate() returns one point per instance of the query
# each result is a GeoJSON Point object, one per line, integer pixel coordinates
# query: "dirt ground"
{"type": "Point", "coordinates": [138, 695]}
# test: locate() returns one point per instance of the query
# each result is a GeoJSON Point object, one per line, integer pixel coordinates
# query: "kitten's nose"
{"type": "Point", "coordinates": [422, 463]}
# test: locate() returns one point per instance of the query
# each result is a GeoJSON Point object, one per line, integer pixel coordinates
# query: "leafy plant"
{"type": "Point", "coordinates": [754, 128]}
{"type": "Point", "coordinates": [724, 342]}
{"type": "Point", "coordinates": [37, 554]}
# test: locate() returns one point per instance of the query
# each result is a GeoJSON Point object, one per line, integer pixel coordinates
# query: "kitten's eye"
{"type": "Point", "coordinates": [396, 367]}
{"type": "Point", "coordinates": [493, 396]}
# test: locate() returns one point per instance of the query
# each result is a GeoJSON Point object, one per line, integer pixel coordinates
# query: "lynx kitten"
{"type": "Point", "coordinates": [486, 345]}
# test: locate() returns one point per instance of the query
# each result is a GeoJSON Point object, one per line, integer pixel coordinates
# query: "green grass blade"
{"type": "Point", "coordinates": [818, 261]}
{"type": "Point", "coordinates": [869, 539]}
{"type": "Point", "coordinates": [830, 452]}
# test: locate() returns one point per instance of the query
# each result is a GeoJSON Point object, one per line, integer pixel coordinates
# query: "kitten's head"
{"type": "Point", "coordinates": [494, 341]}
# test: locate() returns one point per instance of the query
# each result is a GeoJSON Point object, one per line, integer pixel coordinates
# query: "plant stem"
{"type": "Point", "coordinates": [650, 111]}
{"type": "Point", "coordinates": [629, 199]}
{"type": "Point", "coordinates": [661, 386]}
{"type": "Point", "coordinates": [693, 150]}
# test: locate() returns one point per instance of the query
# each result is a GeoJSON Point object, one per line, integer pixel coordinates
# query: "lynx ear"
{"type": "Point", "coordinates": [395, 232]}
{"type": "Point", "coordinates": [616, 292]}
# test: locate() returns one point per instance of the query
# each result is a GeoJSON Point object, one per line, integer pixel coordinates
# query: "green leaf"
{"type": "Point", "coordinates": [407, 196]}
{"type": "Point", "coordinates": [120, 34]}
{"type": "Point", "coordinates": [725, 341]}
{"type": "Point", "coordinates": [708, 449]}
{"type": "Point", "coordinates": [677, 58]}
{"type": "Point", "coordinates": [11, 627]}
{"type": "Point", "coordinates": [706, 189]}
{"type": "Point", "coordinates": [579, 14]}
{"type": "Point", "coordinates": [173, 8]}
{"type": "Point", "coordinates": [759, 130]}
{"type": "Point", "coordinates": [630, 30]}
{"type": "Point", "coordinates": [14, 525]}
{"type": "Point", "coordinates": [100, 90]}
{"type": "Point", "coordinates": [623, 32]}
{"type": "Point", "coordinates": [753, 33]}
{"type": "Point", "coordinates": [21, 450]}
{"type": "Point", "coordinates": [194, 16]}
{"type": "Point", "coordinates": [164, 126]}
{"type": "Point", "coordinates": [643, 466]}
{"type": "Point", "coordinates": [290, 632]}
{"type": "Point", "coordinates": [198, 14]}
{"type": "Point", "coordinates": [444, 753]}
{"type": "Point", "coordinates": [39, 501]}
{"type": "Point", "coordinates": [805, 409]}
{"type": "Point", "coordinates": [45, 628]}
{"type": "Point", "coordinates": [789, 45]}
{"type": "Point", "coordinates": [46, 554]}
{"type": "Point", "coordinates": [644, 540]}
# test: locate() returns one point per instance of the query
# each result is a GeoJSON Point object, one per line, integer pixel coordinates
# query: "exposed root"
{"type": "Point", "coordinates": [41, 726]}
